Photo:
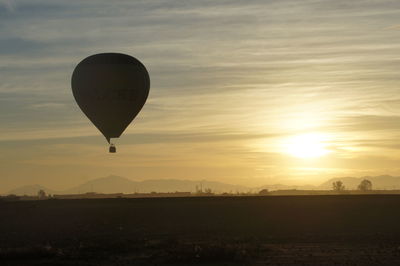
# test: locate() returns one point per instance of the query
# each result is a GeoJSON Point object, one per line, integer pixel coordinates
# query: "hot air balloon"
{"type": "Point", "coordinates": [110, 89]}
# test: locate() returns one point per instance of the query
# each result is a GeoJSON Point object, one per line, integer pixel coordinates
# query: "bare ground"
{"type": "Point", "coordinates": [288, 230]}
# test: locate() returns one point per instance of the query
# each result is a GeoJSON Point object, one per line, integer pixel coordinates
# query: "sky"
{"type": "Point", "coordinates": [242, 92]}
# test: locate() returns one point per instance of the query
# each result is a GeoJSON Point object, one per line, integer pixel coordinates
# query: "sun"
{"type": "Point", "coordinates": [310, 145]}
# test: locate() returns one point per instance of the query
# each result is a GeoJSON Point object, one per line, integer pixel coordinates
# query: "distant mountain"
{"type": "Point", "coordinates": [172, 185]}
{"type": "Point", "coordinates": [31, 190]}
{"type": "Point", "coordinates": [109, 184]}
{"type": "Point", "coordinates": [285, 187]}
{"type": "Point", "coordinates": [117, 184]}
{"type": "Point", "coordinates": [378, 182]}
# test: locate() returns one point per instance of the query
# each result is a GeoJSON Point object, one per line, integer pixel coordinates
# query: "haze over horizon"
{"type": "Point", "coordinates": [242, 92]}
{"type": "Point", "coordinates": [117, 184]}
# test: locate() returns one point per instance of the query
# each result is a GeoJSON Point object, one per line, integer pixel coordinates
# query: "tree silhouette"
{"type": "Point", "coordinates": [41, 194]}
{"type": "Point", "coordinates": [338, 186]}
{"type": "Point", "coordinates": [365, 185]}
{"type": "Point", "coordinates": [208, 191]}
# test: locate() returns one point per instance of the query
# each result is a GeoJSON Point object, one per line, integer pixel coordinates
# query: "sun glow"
{"type": "Point", "coordinates": [310, 145]}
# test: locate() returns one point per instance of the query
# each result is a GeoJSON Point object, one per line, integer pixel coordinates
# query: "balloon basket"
{"type": "Point", "coordinates": [112, 149]}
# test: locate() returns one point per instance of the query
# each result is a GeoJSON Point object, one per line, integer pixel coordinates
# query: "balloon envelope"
{"type": "Point", "coordinates": [110, 89]}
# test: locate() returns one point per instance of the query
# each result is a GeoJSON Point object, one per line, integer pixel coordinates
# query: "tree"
{"type": "Point", "coordinates": [365, 185]}
{"type": "Point", "coordinates": [338, 186]}
{"type": "Point", "coordinates": [41, 194]}
{"type": "Point", "coordinates": [208, 191]}
{"type": "Point", "coordinates": [263, 191]}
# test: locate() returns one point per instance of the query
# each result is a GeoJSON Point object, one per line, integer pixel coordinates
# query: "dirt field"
{"type": "Point", "coordinates": [286, 230]}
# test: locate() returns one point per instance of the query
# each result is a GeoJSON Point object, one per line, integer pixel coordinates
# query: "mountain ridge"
{"type": "Point", "coordinates": [118, 184]}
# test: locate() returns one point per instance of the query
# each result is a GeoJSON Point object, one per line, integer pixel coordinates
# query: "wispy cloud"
{"type": "Point", "coordinates": [9, 5]}
{"type": "Point", "coordinates": [393, 27]}
{"type": "Point", "coordinates": [228, 73]}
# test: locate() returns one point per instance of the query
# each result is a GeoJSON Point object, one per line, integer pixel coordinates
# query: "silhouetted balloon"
{"type": "Point", "coordinates": [111, 89]}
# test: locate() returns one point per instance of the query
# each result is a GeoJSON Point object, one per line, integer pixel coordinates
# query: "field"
{"type": "Point", "coordinates": [271, 230]}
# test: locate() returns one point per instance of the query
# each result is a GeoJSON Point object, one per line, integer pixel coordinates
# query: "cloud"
{"type": "Point", "coordinates": [370, 123]}
{"type": "Point", "coordinates": [226, 73]}
{"type": "Point", "coordinates": [391, 144]}
{"type": "Point", "coordinates": [9, 5]}
{"type": "Point", "coordinates": [393, 27]}
{"type": "Point", "coordinates": [48, 105]}
{"type": "Point", "coordinates": [18, 46]}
